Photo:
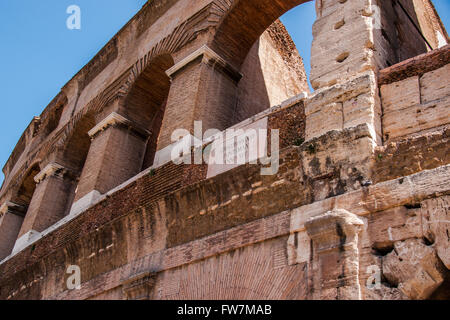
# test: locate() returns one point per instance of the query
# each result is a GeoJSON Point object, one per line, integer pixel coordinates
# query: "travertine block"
{"type": "Point", "coordinates": [417, 118]}
{"type": "Point", "coordinates": [327, 119]}
{"type": "Point", "coordinates": [400, 95]}
{"type": "Point", "coordinates": [434, 84]}
{"type": "Point", "coordinates": [392, 225]}
{"type": "Point", "coordinates": [364, 84]}
{"type": "Point", "coordinates": [327, 7]}
{"type": "Point", "coordinates": [363, 109]}
{"type": "Point", "coordinates": [359, 105]}
{"type": "Point", "coordinates": [415, 267]}
{"type": "Point", "coordinates": [335, 237]}
{"type": "Point", "coordinates": [343, 42]}
{"type": "Point", "coordinates": [436, 221]}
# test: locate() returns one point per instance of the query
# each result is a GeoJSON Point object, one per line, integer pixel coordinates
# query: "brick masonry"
{"type": "Point", "coordinates": [363, 168]}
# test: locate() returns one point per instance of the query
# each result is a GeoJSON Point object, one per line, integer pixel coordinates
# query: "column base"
{"type": "Point", "coordinates": [26, 240]}
{"type": "Point", "coordinates": [166, 155]}
{"type": "Point", "coordinates": [84, 203]}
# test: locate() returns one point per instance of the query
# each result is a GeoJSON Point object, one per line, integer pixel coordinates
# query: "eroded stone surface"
{"type": "Point", "coordinates": [415, 268]}
{"type": "Point", "coordinates": [361, 186]}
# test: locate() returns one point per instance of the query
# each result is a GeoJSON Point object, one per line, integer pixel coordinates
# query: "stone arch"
{"type": "Point", "coordinates": [72, 154]}
{"type": "Point", "coordinates": [25, 190]}
{"type": "Point", "coordinates": [146, 99]}
{"type": "Point", "coordinates": [264, 53]}
{"type": "Point", "coordinates": [49, 119]}
{"type": "Point", "coordinates": [259, 272]}
{"type": "Point", "coordinates": [394, 31]}
{"type": "Point", "coordinates": [184, 33]}
{"type": "Point", "coordinates": [234, 39]}
{"type": "Point", "coordinates": [55, 183]}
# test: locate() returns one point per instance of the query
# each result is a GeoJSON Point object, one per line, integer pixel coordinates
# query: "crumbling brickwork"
{"type": "Point", "coordinates": [357, 207]}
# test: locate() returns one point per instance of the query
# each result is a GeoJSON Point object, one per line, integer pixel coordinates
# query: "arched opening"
{"type": "Point", "coordinates": [55, 185]}
{"type": "Point", "coordinates": [272, 72]}
{"type": "Point", "coordinates": [244, 25]}
{"type": "Point", "coordinates": [51, 120]}
{"type": "Point", "coordinates": [146, 102]}
{"type": "Point", "coordinates": [265, 54]}
{"type": "Point", "coordinates": [27, 187]}
{"type": "Point", "coordinates": [394, 31]}
{"type": "Point", "coordinates": [73, 157]}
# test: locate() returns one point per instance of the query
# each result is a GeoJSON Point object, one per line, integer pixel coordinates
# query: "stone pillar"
{"type": "Point", "coordinates": [11, 219]}
{"type": "Point", "coordinates": [54, 187]}
{"type": "Point", "coordinates": [335, 260]}
{"type": "Point", "coordinates": [203, 88]}
{"type": "Point", "coordinates": [343, 67]}
{"type": "Point", "coordinates": [116, 154]}
{"type": "Point", "coordinates": [343, 41]}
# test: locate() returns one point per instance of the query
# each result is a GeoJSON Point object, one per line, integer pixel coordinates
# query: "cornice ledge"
{"type": "Point", "coordinates": [208, 56]}
{"type": "Point", "coordinates": [116, 119]}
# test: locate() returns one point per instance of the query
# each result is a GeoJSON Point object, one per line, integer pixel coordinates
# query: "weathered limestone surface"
{"type": "Point", "coordinates": [358, 207]}
{"type": "Point", "coordinates": [415, 268]}
{"type": "Point", "coordinates": [436, 222]}
{"type": "Point", "coordinates": [344, 106]}
{"type": "Point", "coordinates": [424, 104]}
{"type": "Point", "coordinates": [433, 85]}
{"type": "Point", "coordinates": [410, 96]}
{"type": "Point", "coordinates": [335, 243]}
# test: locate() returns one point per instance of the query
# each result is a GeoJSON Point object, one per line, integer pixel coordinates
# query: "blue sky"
{"type": "Point", "coordinates": [39, 54]}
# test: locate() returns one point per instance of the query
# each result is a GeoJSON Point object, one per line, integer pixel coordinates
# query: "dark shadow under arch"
{"type": "Point", "coordinates": [146, 101]}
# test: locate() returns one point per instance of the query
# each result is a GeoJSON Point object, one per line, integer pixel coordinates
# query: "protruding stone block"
{"type": "Point", "coordinates": [335, 237]}
{"type": "Point", "coordinates": [345, 106]}
{"type": "Point", "coordinates": [415, 268]}
{"type": "Point", "coordinates": [436, 225]}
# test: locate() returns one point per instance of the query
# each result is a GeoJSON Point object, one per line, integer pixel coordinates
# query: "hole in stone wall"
{"type": "Point", "coordinates": [413, 206]}
{"type": "Point", "coordinates": [382, 249]}
{"type": "Point", "coordinates": [429, 241]}
{"type": "Point", "coordinates": [339, 24]}
{"type": "Point", "coordinates": [342, 57]}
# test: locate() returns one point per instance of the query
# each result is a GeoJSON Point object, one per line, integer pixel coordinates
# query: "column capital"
{"type": "Point", "coordinates": [208, 57]}
{"type": "Point", "coordinates": [52, 169]}
{"type": "Point", "coordinates": [115, 119]}
{"type": "Point", "coordinates": [13, 208]}
{"type": "Point", "coordinates": [334, 229]}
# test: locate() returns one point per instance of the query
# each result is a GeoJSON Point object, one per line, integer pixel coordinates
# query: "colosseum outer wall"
{"type": "Point", "coordinates": [357, 208]}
